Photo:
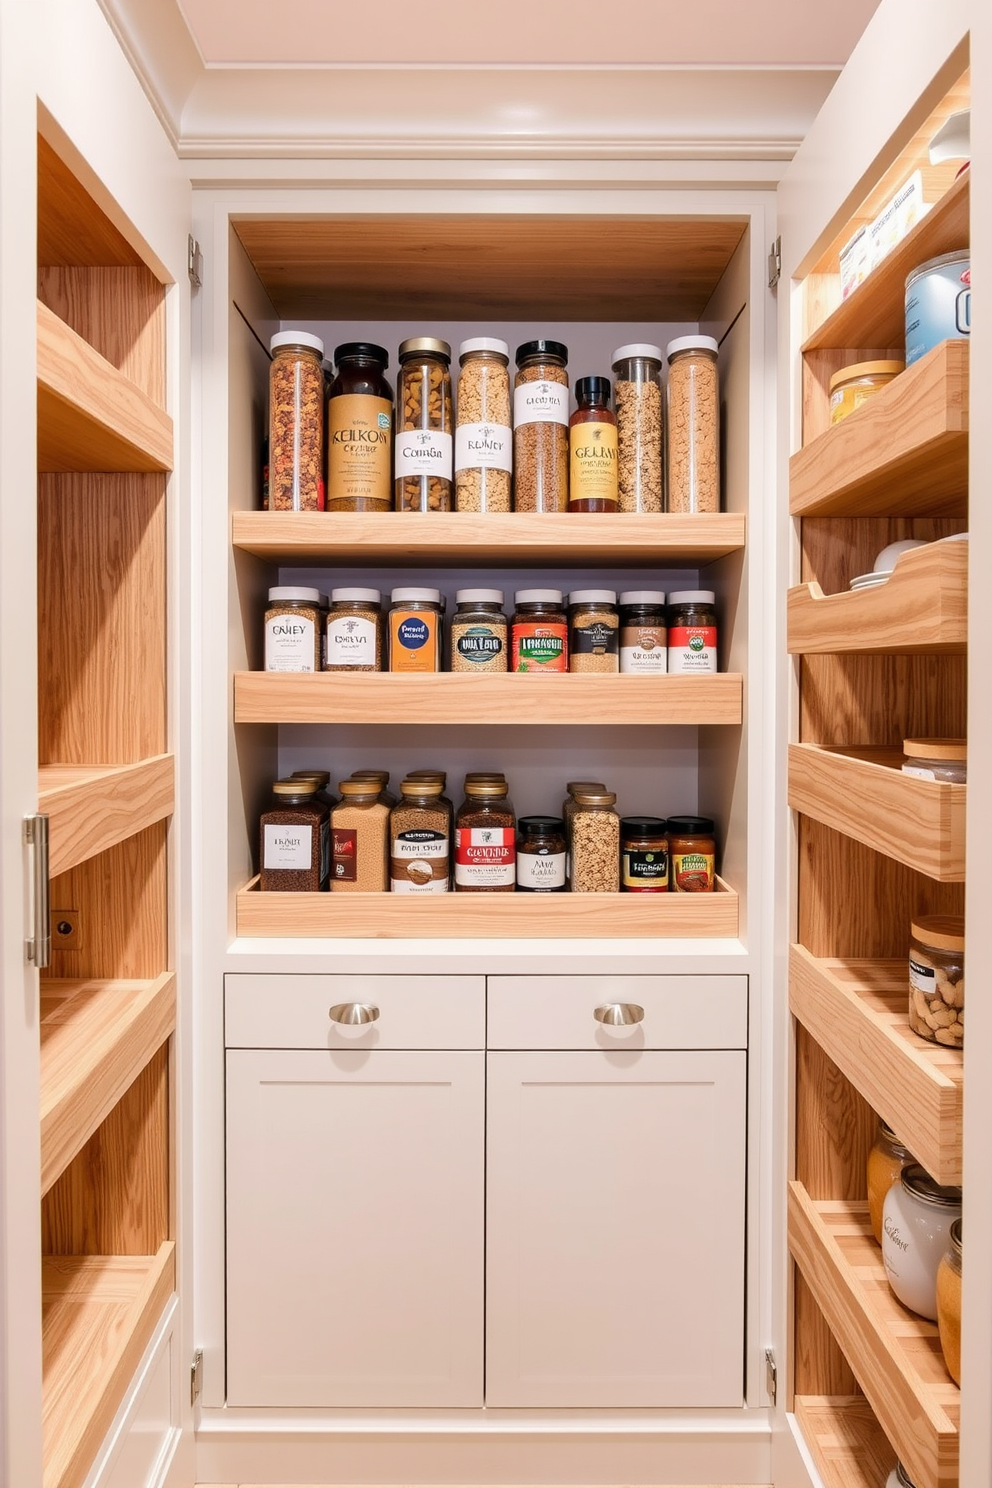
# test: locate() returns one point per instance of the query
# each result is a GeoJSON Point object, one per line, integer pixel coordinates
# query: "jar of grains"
{"type": "Point", "coordinates": [415, 630]}
{"type": "Point", "coordinates": [359, 430]}
{"type": "Point", "coordinates": [595, 844]}
{"type": "Point", "coordinates": [693, 425]}
{"type": "Point", "coordinates": [886, 1161]}
{"type": "Point", "coordinates": [359, 839]}
{"type": "Point", "coordinates": [643, 631]}
{"type": "Point", "coordinates": [540, 427]}
{"type": "Point", "coordinates": [541, 855]}
{"type": "Point", "coordinates": [294, 847]}
{"type": "Point", "coordinates": [483, 436]}
{"type": "Point", "coordinates": [354, 631]}
{"type": "Point", "coordinates": [419, 840]}
{"type": "Point", "coordinates": [478, 631]}
{"type": "Point", "coordinates": [592, 445]}
{"type": "Point", "coordinates": [424, 444]}
{"type": "Point", "coordinates": [593, 631]}
{"type": "Point", "coordinates": [573, 789]}
{"type": "Point", "coordinates": [485, 839]}
{"type": "Point", "coordinates": [637, 374]}
{"type": "Point", "coordinates": [692, 631]}
{"type": "Point", "coordinates": [949, 1303]}
{"type": "Point", "coordinates": [382, 779]}
{"type": "Point", "coordinates": [643, 855]}
{"type": "Point", "coordinates": [936, 979]}
{"type": "Point", "coordinates": [292, 630]}
{"type": "Point", "coordinates": [936, 759]}
{"type": "Point", "coordinates": [538, 632]}
{"type": "Point", "coordinates": [916, 1222]}
{"type": "Point", "coordinates": [692, 854]}
{"type": "Point", "coordinates": [296, 422]}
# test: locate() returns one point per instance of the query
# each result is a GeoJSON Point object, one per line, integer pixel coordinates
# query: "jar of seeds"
{"type": "Point", "coordinates": [595, 844]}
{"type": "Point", "coordinates": [419, 840]}
{"type": "Point", "coordinates": [296, 422]}
{"type": "Point", "coordinates": [594, 631]}
{"type": "Point", "coordinates": [540, 427]}
{"type": "Point", "coordinates": [424, 445]}
{"type": "Point", "coordinates": [359, 839]}
{"type": "Point", "coordinates": [478, 631]}
{"type": "Point", "coordinates": [292, 629]}
{"type": "Point", "coordinates": [353, 635]}
{"type": "Point", "coordinates": [485, 839]}
{"type": "Point", "coordinates": [693, 425]}
{"type": "Point", "coordinates": [637, 391]}
{"type": "Point", "coordinates": [294, 846]}
{"type": "Point", "coordinates": [483, 437]}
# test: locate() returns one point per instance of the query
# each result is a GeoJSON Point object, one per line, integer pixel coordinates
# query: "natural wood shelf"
{"type": "Point", "coordinates": [90, 416]}
{"type": "Point", "coordinates": [501, 916]}
{"type": "Point", "coordinates": [98, 1315]}
{"type": "Point", "coordinates": [902, 453]}
{"type": "Point", "coordinates": [863, 793]}
{"type": "Point", "coordinates": [922, 607]}
{"type": "Point", "coordinates": [874, 314]}
{"type": "Point", "coordinates": [849, 1447]}
{"type": "Point", "coordinates": [96, 1037]}
{"type": "Point", "coordinates": [93, 807]}
{"type": "Point", "coordinates": [857, 1012]}
{"type": "Point", "coordinates": [474, 540]}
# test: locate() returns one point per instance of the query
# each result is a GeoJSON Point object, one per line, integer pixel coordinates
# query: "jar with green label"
{"type": "Point", "coordinates": [539, 632]}
{"type": "Point", "coordinates": [592, 444]}
{"type": "Point", "coordinates": [479, 631]}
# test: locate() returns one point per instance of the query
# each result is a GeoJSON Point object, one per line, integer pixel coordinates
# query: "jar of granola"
{"type": "Point", "coordinates": [540, 427]}
{"type": "Point", "coordinates": [424, 445]}
{"type": "Point", "coordinates": [296, 422]}
{"type": "Point", "coordinates": [595, 844]}
{"type": "Point", "coordinates": [483, 437]}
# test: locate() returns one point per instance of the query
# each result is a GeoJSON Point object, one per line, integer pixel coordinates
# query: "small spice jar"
{"type": "Point", "coordinates": [538, 632]}
{"type": "Point", "coordinates": [415, 630]}
{"type": "Point", "coordinates": [949, 1303]}
{"type": "Point", "coordinates": [353, 632]}
{"type": "Point", "coordinates": [485, 839]}
{"type": "Point", "coordinates": [593, 631]}
{"type": "Point", "coordinates": [540, 427]}
{"type": "Point", "coordinates": [692, 854]}
{"type": "Point", "coordinates": [292, 630]}
{"type": "Point", "coordinates": [483, 435]}
{"type": "Point", "coordinates": [854, 385]}
{"type": "Point", "coordinates": [916, 1224]}
{"type": "Point", "coordinates": [479, 631]}
{"type": "Point", "coordinates": [693, 425]}
{"type": "Point", "coordinates": [692, 631]}
{"type": "Point", "coordinates": [643, 632]}
{"type": "Point", "coordinates": [643, 855]}
{"type": "Point", "coordinates": [637, 374]}
{"type": "Point", "coordinates": [541, 855]}
{"type": "Point", "coordinates": [360, 430]}
{"type": "Point", "coordinates": [424, 446]}
{"type": "Point", "coordinates": [592, 449]}
{"type": "Point", "coordinates": [359, 839]}
{"type": "Point", "coordinates": [594, 844]}
{"type": "Point", "coordinates": [296, 422]}
{"type": "Point", "coordinates": [419, 840]}
{"type": "Point", "coordinates": [936, 979]}
{"type": "Point", "coordinates": [294, 845]}
{"type": "Point", "coordinates": [886, 1161]}
{"type": "Point", "coordinates": [936, 759]}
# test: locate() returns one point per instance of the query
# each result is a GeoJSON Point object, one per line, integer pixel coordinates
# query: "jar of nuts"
{"type": "Point", "coordinates": [540, 427]}
{"type": "Point", "coordinates": [594, 844]}
{"type": "Point", "coordinates": [693, 425]}
{"type": "Point", "coordinates": [637, 371]}
{"type": "Point", "coordinates": [483, 437]}
{"type": "Point", "coordinates": [936, 979]}
{"type": "Point", "coordinates": [424, 446]}
{"type": "Point", "coordinates": [296, 422]}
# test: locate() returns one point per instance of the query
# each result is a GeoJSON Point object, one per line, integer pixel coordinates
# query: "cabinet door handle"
{"type": "Point", "coordinates": [39, 948]}
{"type": "Point", "coordinates": [353, 1013]}
{"type": "Point", "coordinates": [619, 1014]}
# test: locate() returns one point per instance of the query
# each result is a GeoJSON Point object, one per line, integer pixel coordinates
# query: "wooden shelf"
{"type": "Point", "coordinates": [863, 793]}
{"type": "Point", "coordinates": [874, 314]}
{"type": "Point", "coordinates": [921, 608]}
{"type": "Point", "coordinates": [96, 1038]}
{"type": "Point", "coordinates": [501, 916]}
{"type": "Point", "coordinates": [90, 416]}
{"type": "Point", "coordinates": [894, 1354]}
{"type": "Point", "coordinates": [93, 807]}
{"type": "Point", "coordinates": [857, 1012]}
{"type": "Point", "coordinates": [849, 1447]}
{"type": "Point", "coordinates": [98, 1315]}
{"type": "Point", "coordinates": [903, 453]}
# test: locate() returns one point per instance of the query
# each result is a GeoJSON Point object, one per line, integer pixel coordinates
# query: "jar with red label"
{"type": "Point", "coordinates": [539, 632]}
{"type": "Point", "coordinates": [692, 855]}
{"type": "Point", "coordinates": [485, 840]}
{"type": "Point", "coordinates": [643, 855]}
{"type": "Point", "coordinates": [692, 631]}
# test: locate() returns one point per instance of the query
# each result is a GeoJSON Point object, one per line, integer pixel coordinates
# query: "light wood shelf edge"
{"type": "Point", "coordinates": [93, 807]}
{"type": "Point", "coordinates": [847, 1444]}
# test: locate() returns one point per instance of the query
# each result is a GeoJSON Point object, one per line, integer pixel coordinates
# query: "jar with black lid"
{"type": "Point", "coordinates": [643, 632]}
{"type": "Point", "coordinates": [541, 856]}
{"type": "Point", "coordinates": [360, 430]}
{"type": "Point", "coordinates": [424, 457]}
{"type": "Point", "coordinates": [592, 446]}
{"type": "Point", "coordinates": [692, 631]}
{"type": "Point", "coordinates": [643, 855]}
{"type": "Point", "coordinates": [540, 427]}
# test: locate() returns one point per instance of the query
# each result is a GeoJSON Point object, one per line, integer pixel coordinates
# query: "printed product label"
{"type": "Point", "coordinates": [540, 647]}
{"type": "Point", "coordinates": [483, 447]}
{"type": "Point", "coordinates": [344, 843]}
{"type": "Point", "coordinates": [288, 846]}
{"type": "Point", "coordinates": [485, 856]}
{"type": "Point", "coordinates": [540, 403]}
{"type": "Point", "coordinates": [290, 645]}
{"type": "Point", "coordinates": [595, 639]}
{"type": "Point", "coordinates": [419, 862]}
{"type": "Point", "coordinates": [938, 308]}
{"type": "Point", "coordinates": [359, 458]}
{"type": "Point", "coordinates": [692, 648]}
{"type": "Point", "coordinates": [413, 641]}
{"type": "Point", "coordinates": [644, 648]}
{"type": "Point", "coordinates": [692, 873]}
{"type": "Point", "coordinates": [477, 646]}
{"type": "Point", "coordinates": [920, 774]}
{"type": "Point", "coordinates": [923, 978]}
{"type": "Point", "coordinates": [541, 871]}
{"type": "Point", "coordinates": [423, 452]}
{"type": "Point", "coordinates": [645, 872]}
{"type": "Point", "coordinates": [350, 641]}
{"type": "Point", "coordinates": [592, 462]}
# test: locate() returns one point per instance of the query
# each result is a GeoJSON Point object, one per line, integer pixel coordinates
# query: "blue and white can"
{"type": "Point", "coordinates": [938, 304]}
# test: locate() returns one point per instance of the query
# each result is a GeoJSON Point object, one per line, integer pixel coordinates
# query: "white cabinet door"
{"type": "Point", "coordinates": [615, 1246]}
{"type": "Point", "coordinates": [354, 1228]}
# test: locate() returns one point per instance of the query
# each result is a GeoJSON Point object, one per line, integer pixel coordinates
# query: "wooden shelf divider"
{"type": "Point", "coordinates": [849, 1447]}
{"type": "Point", "coordinates": [93, 807]}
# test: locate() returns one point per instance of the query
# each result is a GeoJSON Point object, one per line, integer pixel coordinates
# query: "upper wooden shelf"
{"type": "Point", "coordinates": [895, 1355]}
{"type": "Point", "coordinates": [902, 453]}
{"type": "Point", "coordinates": [90, 416]}
{"type": "Point", "coordinates": [93, 807]}
{"type": "Point", "coordinates": [474, 539]}
{"type": "Point", "coordinates": [857, 1012]}
{"type": "Point", "coordinates": [849, 1447]}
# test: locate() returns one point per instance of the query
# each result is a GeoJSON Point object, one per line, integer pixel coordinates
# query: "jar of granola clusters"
{"type": "Point", "coordinates": [595, 844]}
{"type": "Point", "coordinates": [540, 428]}
{"type": "Point", "coordinates": [484, 436]}
{"type": "Point", "coordinates": [424, 445]}
{"type": "Point", "coordinates": [296, 422]}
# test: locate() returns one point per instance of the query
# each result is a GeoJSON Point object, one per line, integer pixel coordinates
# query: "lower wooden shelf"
{"type": "Point", "coordinates": [93, 807]}
{"type": "Point", "coordinates": [847, 1444]}
{"type": "Point", "coordinates": [895, 1355]}
{"type": "Point", "coordinates": [98, 1315]}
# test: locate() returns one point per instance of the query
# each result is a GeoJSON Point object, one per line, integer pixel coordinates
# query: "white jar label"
{"type": "Point", "coordinates": [423, 452]}
{"type": "Point", "coordinates": [540, 871]}
{"type": "Point", "coordinates": [350, 641]}
{"type": "Point", "coordinates": [540, 403]}
{"type": "Point", "coordinates": [288, 846]}
{"type": "Point", "coordinates": [289, 644]}
{"type": "Point", "coordinates": [922, 978]}
{"type": "Point", "coordinates": [420, 844]}
{"type": "Point", "coordinates": [920, 774]}
{"type": "Point", "coordinates": [483, 447]}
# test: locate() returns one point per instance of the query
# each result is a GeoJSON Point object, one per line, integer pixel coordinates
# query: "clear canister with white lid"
{"type": "Point", "coordinates": [936, 979]}
{"type": "Point", "coordinates": [916, 1224]}
{"type": "Point", "coordinates": [353, 631]}
{"type": "Point", "coordinates": [693, 425]}
{"type": "Point", "coordinates": [483, 433]}
{"type": "Point", "coordinates": [936, 759]}
{"type": "Point", "coordinates": [293, 623]}
{"type": "Point", "coordinates": [415, 620]}
{"type": "Point", "coordinates": [296, 422]}
{"type": "Point", "coordinates": [638, 402]}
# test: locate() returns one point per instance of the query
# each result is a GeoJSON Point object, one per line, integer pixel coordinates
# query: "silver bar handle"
{"type": "Point", "coordinates": [619, 1014]}
{"type": "Point", "coordinates": [39, 946]}
{"type": "Point", "coordinates": [353, 1014]}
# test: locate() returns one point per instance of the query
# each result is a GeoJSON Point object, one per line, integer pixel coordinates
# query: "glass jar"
{"type": "Point", "coordinates": [593, 631]}
{"type": "Point", "coordinates": [949, 1303]}
{"type": "Point", "coordinates": [419, 840]}
{"type": "Point", "coordinates": [899, 1478]}
{"type": "Point", "coordinates": [322, 779]}
{"type": "Point", "coordinates": [592, 449]}
{"type": "Point", "coordinates": [692, 631]}
{"type": "Point", "coordinates": [292, 630]}
{"type": "Point", "coordinates": [594, 844]}
{"type": "Point", "coordinates": [573, 789]}
{"type": "Point", "coordinates": [886, 1161]}
{"type": "Point", "coordinates": [360, 430]}
{"type": "Point", "coordinates": [643, 855]}
{"type": "Point", "coordinates": [854, 385]}
{"type": "Point", "coordinates": [936, 979]}
{"type": "Point", "coordinates": [353, 632]}
{"type": "Point", "coordinates": [693, 425]}
{"type": "Point", "coordinates": [936, 759]}
{"type": "Point", "coordinates": [382, 779]}
{"type": "Point", "coordinates": [540, 427]}
{"type": "Point", "coordinates": [643, 632]}
{"type": "Point", "coordinates": [483, 436]}
{"type": "Point", "coordinates": [541, 856]}
{"type": "Point", "coordinates": [294, 840]}
{"type": "Point", "coordinates": [637, 378]}
{"type": "Point", "coordinates": [478, 631]}
{"type": "Point", "coordinates": [692, 854]}
{"type": "Point", "coordinates": [485, 839]}
{"type": "Point", "coordinates": [424, 444]}
{"type": "Point", "coordinates": [441, 776]}
{"type": "Point", "coordinates": [916, 1224]}
{"type": "Point", "coordinates": [359, 839]}
{"type": "Point", "coordinates": [539, 632]}
{"type": "Point", "coordinates": [415, 630]}
{"type": "Point", "coordinates": [296, 422]}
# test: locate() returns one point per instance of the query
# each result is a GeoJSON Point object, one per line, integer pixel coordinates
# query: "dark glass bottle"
{"type": "Point", "coordinates": [592, 443]}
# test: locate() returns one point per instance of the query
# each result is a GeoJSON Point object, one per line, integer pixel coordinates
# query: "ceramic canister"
{"type": "Point", "coordinates": [916, 1225]}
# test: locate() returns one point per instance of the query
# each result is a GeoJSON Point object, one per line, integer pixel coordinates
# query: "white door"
{"type": "Point", "coordinates": [615, 1238]}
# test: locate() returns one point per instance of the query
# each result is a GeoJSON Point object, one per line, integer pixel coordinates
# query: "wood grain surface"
{"type": "Point", "coordinates": [72, 229]}
{"type": "Point", "coordinates": [93, 807]}
{"type": "Point", "coordinates": [120, 313]}
{"type": "Point", "coordinates": [121, 900]}
{"type": "Point", "coordinates": [849, 1447]}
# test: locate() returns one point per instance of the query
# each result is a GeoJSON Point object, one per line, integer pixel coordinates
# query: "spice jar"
{"type": "Point", "coordinates": [637, 374]}
{"type": "Point", "coordinates": [424, 446]}
{"type": "Point", "coordinates": [886, 1161]}
{"type": "Point", "coordinates": [643, 631]}
{"type": "Point", "coordinates": [854, 385]}
{"type": "Point", "coordinates": [415, 630]}
{"type": "Point", "coordinates": [478, 631]}
{"type": "Point", "coordinates": [592, 447]}
{"type": "Point", "coordinates": [936, 759]}
{"type": "Point", "coordinates": [294, 846]}
{"type": "Point", "coordinates": [916, 1223]}
{"type": "Point", "coordinates": [541, 856]}
{"type": "Point", "coordinates": [354, 631]}
{"type": "Point", "coordinates": [322, 779]}
{"type": "Point", "coordinates": [296, 422]}
{"type": "Point", "coordinates": [540, 427]}
{"type": "Point", "coordinates": [692, 631]}
{"type": "Point", "coordinates": [485, 839]}
{"type": "Point", "coordinates": [593, 631]}
{"type": "Point", "coordinates": [538, 632]}
{"type": "Point", "coordinates": [936, 979]}
{"type": "Point", "coordinates": [643, 855]}
{"type": "Point", "coordinates": [693, 425]}
{"type": "Point", "coordinates": [419, 840]}
{"type": "Point", "coordinates": [292, 630]}
{"type": "Point", "coordinates": [483, 436]}
{"type": "Point", "coordinates": [692, 854]}
{"type": "Point", "coordinates": [359, 839]}
{"type": "Point", "coordinates": [949, 1303]}
{"type": "Point", "coordinates": [359, 430]}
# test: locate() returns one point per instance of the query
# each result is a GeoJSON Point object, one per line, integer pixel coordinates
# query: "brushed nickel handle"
{"type": "Point", "coordinates": [39, 947]}
{"type": "Point", "coordinates": [619, 1014]}
{"type": "Point", "coordinates": [353, 1013]}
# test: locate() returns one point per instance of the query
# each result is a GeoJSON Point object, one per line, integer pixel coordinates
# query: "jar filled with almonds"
{"type": "Point", "coordinates": [424, 444]}
{"type": "Point", "coordinates": [483, 438]}
{"type": "Point", "coordinates": [936, 979]}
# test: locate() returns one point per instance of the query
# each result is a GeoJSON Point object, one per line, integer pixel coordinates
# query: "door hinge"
{"type": "Point", "coordinates": [775, 263]}
{"type": "Point", "coordinates": [771, 1375]}
{"type": "Point", "coordinates": [196, 1377]}
{"type": "Point", "coordinates": [194, 262]}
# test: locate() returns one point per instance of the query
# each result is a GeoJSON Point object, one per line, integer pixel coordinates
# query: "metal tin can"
{"type": "Point", "coordinates": [938, 303]}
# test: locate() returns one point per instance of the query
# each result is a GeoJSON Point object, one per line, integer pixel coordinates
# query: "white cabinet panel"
{"type": "Point", "coordinates": [355, 1228]}
{"type": "Point", "coordinates": [679, 1012]}
{"type": "Point", "coordinates": [615, 1259]}
{"type": "Point", "coordinates": [414, 1012]}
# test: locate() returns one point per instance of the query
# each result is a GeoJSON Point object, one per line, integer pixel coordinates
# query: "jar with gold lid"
{"type": "Point", "coordinates": [886, 1161]}
{"type": "Point", "coordinates": [854, 385]}
{"type": "Point", "coordinates": [936, 979]}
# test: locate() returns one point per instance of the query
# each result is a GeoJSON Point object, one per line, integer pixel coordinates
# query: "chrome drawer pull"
{"type": "Point", "coordinates": [353, 1013]}
{"type": "Point", "coordinates": [619, 1014]}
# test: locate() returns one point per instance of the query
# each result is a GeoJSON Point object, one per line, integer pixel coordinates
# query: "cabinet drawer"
{"type": "Point", "coordinates": [679, 1012]}
{"type": "Point", "coordinates": [411, 1012]}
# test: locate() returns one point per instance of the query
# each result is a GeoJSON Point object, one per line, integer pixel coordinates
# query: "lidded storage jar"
{"type": "Point", "coordinates": [294, 850]}
{"type": "Point", "coordinates": [693, 425]}
{"type": "Point", "coordinates": [692, 631]}
{"type": "Point", "coordinates": [936, 979]}
{"type": "Point", "coordinates": [594, 842]}
{"type": "Point", "coordinates": [692, 854]}
{"type": "Point", "coordinates": [540, 427]}
{"type": "Point", "coordinates": [359, 839]}
{"type": "Point", "coordinates": [592, 446]}
{"type": "Point", "coordinates": [296, 422]}
{"type": "Point", "coordinates": [854, 385]}
{"type": "Point", "coordinates": [415, 630]}
{"type": "Point", "coordinates": [541, 855]}
{"type": "Point", "coordinates": [485, 839]}
{"type": "Point", "coordinates": [353, 635]}
{"type": "Point", "coordinates": [949, 1303]}
{"type": "Point", "coordinates": [424, 444]}
{"type": "Point", "coordinates": [479, 631]}
{"type": "Point", "coordinates": [360, 430]}
{"type": "Point", "coordinates": [419, 840]}
{"type": "Point", "coordinates": [936, 759]}
{"type": "Point", "coordinates": [483, 436]}
{"type": "Point", "coordinates": [916, 1224]}
{"type": "Point", "coordinates": [886, 1161]}
{"type": "Point", "coordinates": [539, 632]}
{"type": "Point", "coordinates": [593, 631]}
{"type": "Point", "coordinates": [643, 855]}
{"type": "Point", "coordinates": [292, 629]}
{"type": "Point", "coordinates": [637, 377]}
{"type": "Point", "coordinates": [643, 631]}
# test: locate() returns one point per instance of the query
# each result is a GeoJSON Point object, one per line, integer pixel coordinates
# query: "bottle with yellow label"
{"type": "Point", "coordinates": [360, 430]}
{"type": "Point", "coordinates": [592, 443]}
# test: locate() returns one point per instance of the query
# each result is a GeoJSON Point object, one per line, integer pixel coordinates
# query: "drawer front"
{"type": "Point", "coordinates": [293, 1011]}
{"type": "Point", "coordinates": [670, 1012]}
